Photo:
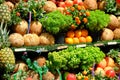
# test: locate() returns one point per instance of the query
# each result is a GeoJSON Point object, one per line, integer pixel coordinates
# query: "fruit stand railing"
{"type": "Point", "coordinates": [49, 48]}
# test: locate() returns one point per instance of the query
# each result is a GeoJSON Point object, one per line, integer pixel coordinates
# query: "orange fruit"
{"type": "Point", "coordinates": [84, 33]}
{"type": "Point", "coordinates": [79, 7]}
{"type": "Point", "coordinates": [87, 13]}
{"type": "Point", "coordinates": [73, 27]}
{"type": "Point", "coordinates": [70, 34]}
{"type": "Point", "coordinates": [72, 8]}
{"type": "Point", "coordinates": [84, 72]}
{"type": "Point", "coordinates": [88, 39]}
{"type": "Point", "coordinates": [69, 40]}
{"type": "Point", "coordinates": [75, 40]}
{"type": "Point", "coordinates": [90, 68]}
{"type": "Point", "coordinates": [78, 22]}
{"type": "Point", "coordinates": [82, 39]}
{"type": "Point", "coordinates": [86, 78]}
{"type": "Point", "coordinates": [85, 20]}
{"type": "Point", "coordinates": [77, 33]}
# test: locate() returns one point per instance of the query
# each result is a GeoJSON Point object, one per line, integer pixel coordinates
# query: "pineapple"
{"type": "Point", "coordinates": [6, 53]}
{"type": "Point", "coordinates": [4, 13]}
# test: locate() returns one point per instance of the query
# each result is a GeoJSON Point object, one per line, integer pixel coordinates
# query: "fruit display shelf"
{"type": "Point", "coordinates": [48, 48]}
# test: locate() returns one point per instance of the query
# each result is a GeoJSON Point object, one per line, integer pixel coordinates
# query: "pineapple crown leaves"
{"type": "Point", "coordinates": [4, 42]}
{"type": "Point", "coordinates": [15, 19]}
{"type": "Point", "coordinates": [31, 6]}
{"type": "Point", "coordinates": [1, 1]}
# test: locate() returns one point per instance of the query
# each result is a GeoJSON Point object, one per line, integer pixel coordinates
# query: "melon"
{"type": "Point", "coordinates": [107, 34]}
{"type": "Point", "coordinates": [114, 23]}
{"type": "Point", "coordinates": [49, 6]}
{"type": "Point", "coordinates": [16, 39]}
{"type": "Point", "coordinates": [116, 33]}
{"type": "Point", "coordinates": [35, 27]}
{"type": "Point", "coordinates": [46, 39]}
{"type": "Point", "coordinates": [31, 39]}
{"type": "Point", "coordinates": [21, 27]}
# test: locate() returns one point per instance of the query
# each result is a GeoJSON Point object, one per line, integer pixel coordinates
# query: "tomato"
{"type": "Point", "coordinates": [77, 1]}
{"type": "Point", "coordinates": [110, 73]}
{"type": "Point", "coordinates": [118, 1]}
{"type": "Point", "coordinates": [80, 3]}
{"type": "Point", "coordinates": [62, 4]}
{"type": "Point", "coordinates": [69, 3]}
{"type": "Point", "coordinates": [71, 76]}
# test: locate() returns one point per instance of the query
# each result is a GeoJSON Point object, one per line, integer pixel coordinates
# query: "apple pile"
{"type": "Point", "coordinates": [106, 68]}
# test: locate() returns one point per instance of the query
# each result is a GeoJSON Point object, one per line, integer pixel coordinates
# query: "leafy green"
{"type": "Point", "coordinates": [55, 22]}
{"type": "Point", "coordinates": [97, 20]}
{"type": "Point", "coordinates": [115, 54]}
{"type": "Point", "coordinates": [72, 58]}
{"type": "Point", "coordinates": [110, 6]}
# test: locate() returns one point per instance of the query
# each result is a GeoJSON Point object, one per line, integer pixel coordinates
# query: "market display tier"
{"type": "Point", "coordinates": [48, 48]}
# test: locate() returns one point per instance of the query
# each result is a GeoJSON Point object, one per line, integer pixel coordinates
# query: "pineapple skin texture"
{"type": "Point", "coordinates": [6, 56]}
{"type": "Point", "coordinates": [4, 13]}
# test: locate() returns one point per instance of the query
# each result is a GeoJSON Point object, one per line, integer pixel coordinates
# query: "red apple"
{"type": "Point", "coordinates": [69, 3]}
{"type": "Point", "coordinates": [71, 76]}
{"type": "Point", "coordinates": [110, 73]}
{"type": "Point", "coordinates": [110, 61]}
{"type": "Point", "coordinates": [102, 64]}
{"type": "Point", "coordinates": [118, 1]}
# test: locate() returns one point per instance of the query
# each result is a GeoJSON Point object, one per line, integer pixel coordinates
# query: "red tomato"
{"type": "Point", "coordinates": [110, 73]}
{"type": "Point", "coordinates": [80, 3]}
{"type": "Point", "coordinates": [71, 76]}
{"type": "Point", "coordinates": [62, 4]}
{"type": "Point", "coordinates": [118, 1]}
{"type": "Point", "coordinates": [77, 1]}
{"type": "Point", "coordinates": [69, 3]}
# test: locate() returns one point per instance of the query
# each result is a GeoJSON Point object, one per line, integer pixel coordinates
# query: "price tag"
{"type": "Point", "coordinates": [42, 50]}
{"type": "Point", "coordinates": [81, 45]}
{"type": "Point", "coordinates": [99, 44]}
{"type": "Point", "coordinates": [62, 47]}
{"type": "Point", "coordinates": [112, 43]}
{"type": "Point", "coordinates": [20, 49]}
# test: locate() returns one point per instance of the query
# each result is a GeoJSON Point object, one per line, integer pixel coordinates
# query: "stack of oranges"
{"type": "Point", "coordinates": [77, 36]}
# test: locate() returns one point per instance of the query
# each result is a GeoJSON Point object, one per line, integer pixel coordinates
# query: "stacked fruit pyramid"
{"type": "Point", "coordinates": [38, 22]}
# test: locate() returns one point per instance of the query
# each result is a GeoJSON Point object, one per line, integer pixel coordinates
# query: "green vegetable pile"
{"type": "Point", "coordinates": [73, 58]}
{"type": "Point", "coordinates": [97, 20]}
{"type": "Point", "coordinates": [55, 22]}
